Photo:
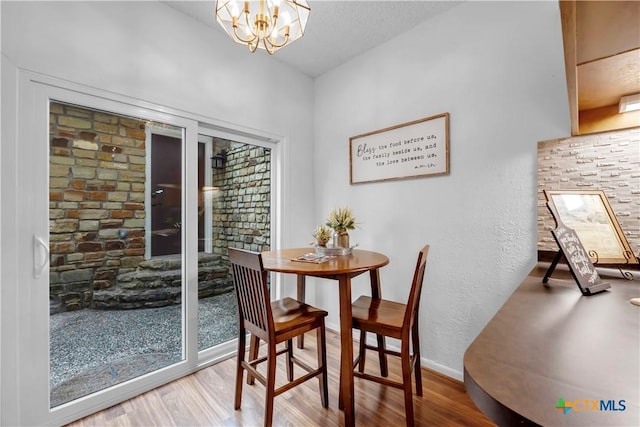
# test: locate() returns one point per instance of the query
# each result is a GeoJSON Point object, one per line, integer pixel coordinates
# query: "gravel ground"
{"type": "Point", "coordinates": [94, 349]}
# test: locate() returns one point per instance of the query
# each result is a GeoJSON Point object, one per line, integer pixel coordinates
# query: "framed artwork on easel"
{"type": "Point", "coordinates": [588, 213]}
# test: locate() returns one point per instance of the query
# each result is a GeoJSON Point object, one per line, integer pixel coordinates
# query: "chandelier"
{"type": "Point", "coordinates": [264, 24]}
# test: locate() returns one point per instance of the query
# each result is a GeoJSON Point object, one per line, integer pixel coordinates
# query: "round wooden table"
{"type": "Point", "coordinates": [342, 268]}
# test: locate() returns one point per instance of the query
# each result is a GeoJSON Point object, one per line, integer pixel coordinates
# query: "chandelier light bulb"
{"type": "Point", "coordinates": [235, 10]}
{"type": "Point", "coordinates": [286, 18]}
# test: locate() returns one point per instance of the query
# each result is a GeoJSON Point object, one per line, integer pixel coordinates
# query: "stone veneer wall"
{"type": "Point", "coordinates": [242, 209]}
{"type": "Point", "coordinates": [606, 161]}
{"type": "Point", "coordinates": [97, 209]}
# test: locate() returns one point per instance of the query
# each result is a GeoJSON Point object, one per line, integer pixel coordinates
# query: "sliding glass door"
{"type": "Point", "coordinates": [110, 206]}
{"type": "Point", "coordinates": [234, 211]}
{"type": "Point", "coordinates": [128, 212]}
{"type": "Point", "coordinates": [114, 314]}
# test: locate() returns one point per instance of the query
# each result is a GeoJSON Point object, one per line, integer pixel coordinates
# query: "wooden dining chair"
{"type": "Point", "coordinates": [273, 322]}
{"type": "Point", "coordinates": [395, 320]}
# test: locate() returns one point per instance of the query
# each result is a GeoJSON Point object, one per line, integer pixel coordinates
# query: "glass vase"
{"type": "Point", "coordinates": [341, 239]}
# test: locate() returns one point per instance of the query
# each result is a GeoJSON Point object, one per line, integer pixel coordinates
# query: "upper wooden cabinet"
{"type": "Point", "coordinates": [602, 60]}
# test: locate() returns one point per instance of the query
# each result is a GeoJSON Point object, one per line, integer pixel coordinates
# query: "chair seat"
{"type": "Point", "coordinates": [378, 315]}
{"type": "Point", "coordinates": [289, 314]}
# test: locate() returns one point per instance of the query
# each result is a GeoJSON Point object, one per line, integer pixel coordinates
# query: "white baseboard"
{"type": "Point", "coordinates": [427, 363]}
{"type": "Point", "coordinates": [441, 369]}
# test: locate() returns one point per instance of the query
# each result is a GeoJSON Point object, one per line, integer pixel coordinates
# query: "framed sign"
{"type": "Point", "coordinates": [409, 150]}
{"type": "Point", "coordinates": [588, 213]}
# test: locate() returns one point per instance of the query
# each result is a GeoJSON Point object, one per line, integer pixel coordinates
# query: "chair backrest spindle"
{"type": "Point", "coordinates": [249, 280]}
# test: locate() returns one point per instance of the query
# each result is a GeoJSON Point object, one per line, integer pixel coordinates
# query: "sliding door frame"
{"type": "Point", "coordinates": [31, 346]}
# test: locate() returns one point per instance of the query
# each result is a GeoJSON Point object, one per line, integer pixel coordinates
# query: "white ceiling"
{"type": "Point", "coordinates": [337, 30]}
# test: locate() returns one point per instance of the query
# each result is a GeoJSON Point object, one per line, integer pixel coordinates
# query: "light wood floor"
{"type": "Point", "coordinates": [205, 398]}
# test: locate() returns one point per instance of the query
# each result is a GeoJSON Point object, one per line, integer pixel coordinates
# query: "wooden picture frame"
{"type": "Point", "coordinates": [408, 150]}
{"type": "Point", "coordinates": [589, 214]}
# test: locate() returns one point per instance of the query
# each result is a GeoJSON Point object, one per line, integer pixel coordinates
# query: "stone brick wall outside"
{"type": "Point", "coordinates": [97, 180]}
{"type": "Point", "coordinates": [97, 209]}
{"type": "Point", "coordinates": [607, 161]}
{"type": "Point", "coordinates": [242, 209]}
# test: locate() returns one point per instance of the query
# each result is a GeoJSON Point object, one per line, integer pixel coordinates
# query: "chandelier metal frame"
{"type": "Point", "coordinates": [267, 24]}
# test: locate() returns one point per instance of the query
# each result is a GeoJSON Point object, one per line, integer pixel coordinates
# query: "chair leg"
{"type": "Point", "coordinates": [362, 354]}
{"type": "Point", "coordinates": [290, 360]}
{"type": "Point", "coordinates": [270, 385]}
{"type": "Point", "coordinates": [406, 381]}
{"type": "Point", "coordinates": [322, 364]}
{"type": "Point", "coordinates": [239, 369]}
{"type": "Point", "coordinates": [416, 355]}
{"type": "Point", "coordinates": [254, 347]}
{"type": "Point", "coordinates": [382, 356]}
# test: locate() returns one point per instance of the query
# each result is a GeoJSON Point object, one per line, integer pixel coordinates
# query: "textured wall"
{"type": "Point", "coordinates": [504, 94]}
{"type": "Point", "coordinates": [607, 161]}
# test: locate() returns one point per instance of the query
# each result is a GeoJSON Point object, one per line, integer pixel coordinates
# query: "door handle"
{"type": "Point", "coordinates": [40, 256]}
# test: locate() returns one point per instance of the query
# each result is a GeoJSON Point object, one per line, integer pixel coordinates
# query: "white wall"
{"type": "Point", "coordinates": [498, 69]}
{"type": "Point", "coordinates": [9, 234]}
{"type": "Point", "coordinates": [150, 52]}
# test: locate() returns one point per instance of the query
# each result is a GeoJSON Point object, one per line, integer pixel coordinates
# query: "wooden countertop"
{"type": "Point", "coordinates": [548, 342]}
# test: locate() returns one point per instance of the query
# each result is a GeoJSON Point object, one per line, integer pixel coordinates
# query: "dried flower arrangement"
{"type": "Point", "coordinates": [341, 220]}
{"type": "Point", "coordinates": [322, 234]}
